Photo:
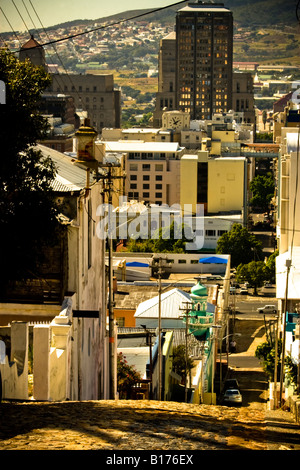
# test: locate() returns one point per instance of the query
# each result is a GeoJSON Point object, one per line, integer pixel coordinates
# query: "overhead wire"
{"type": "Point", "coordinates": [115, 23]}
{"type": "Point", "coordinates": [56, 52]}
{"type": "Point", "coordinates": [14, 32]}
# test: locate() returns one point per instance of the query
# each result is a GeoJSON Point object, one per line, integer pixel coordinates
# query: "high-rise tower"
{"type": "Point", "coordinates": [204, 43]}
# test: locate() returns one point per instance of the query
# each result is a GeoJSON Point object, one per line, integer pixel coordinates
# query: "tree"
{"type": "Point", "coordinates": [164, 241]}
{"type": "Point", "coordinates": [27, 208]}
{"type": "Point", "coordinates": [240, 244]}
{"type": "Point", "coordinates": [266, 352]}
{"type": "Point", "coordinates": [271, 265]}
{"type": "Point", "coordinates": [179, 361]}
{"type": "Point", "coordinates": [127, 376]}
{"type": "Point", "coordinates": [255, 272]}
{"type": "Point", "coordinates": [262, 188]}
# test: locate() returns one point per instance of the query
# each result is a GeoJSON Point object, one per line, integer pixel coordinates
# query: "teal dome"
{"type": "Point", "coordinates": [199, 290]}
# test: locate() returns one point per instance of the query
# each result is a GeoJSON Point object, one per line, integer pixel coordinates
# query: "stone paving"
{"type": "Point", "coordinates": [143, 425]}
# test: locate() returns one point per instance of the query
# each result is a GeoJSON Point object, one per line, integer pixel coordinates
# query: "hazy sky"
{"type": "Point", "coordinates": [52, 12]}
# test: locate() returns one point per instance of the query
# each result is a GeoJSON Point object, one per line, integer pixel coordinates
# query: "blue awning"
{"type": "Point", "coordinates": [213, 260]}
{"type": "Point", "coordinates": [137, 264]}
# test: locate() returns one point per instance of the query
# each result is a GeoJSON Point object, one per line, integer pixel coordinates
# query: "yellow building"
{"type": "Point", "coordinates": [189, 180]}
{"type": "Point", "coordinates": [226, 189]}
{"type": "Point", "coordinates": [220, 184]}
{"type": "Point", "coordinates": [220, 138]}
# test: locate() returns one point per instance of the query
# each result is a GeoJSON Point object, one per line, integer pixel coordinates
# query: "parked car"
{"type": "Point", "coordinates": [243, 291]}
{"type": "Point", "coordinates": [267, 309]}
{"type": "Point", "coordinates": [232, 290]}
{"type": "Point", "coordinates": [231, 383]}
{"type": "Point", "coordinates": [232, 396]}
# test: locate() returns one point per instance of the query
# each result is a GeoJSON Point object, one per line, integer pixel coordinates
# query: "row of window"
{"type": "Point", "coordinates": [145, 186]}
{"type": "Point", "coordinates": [151, 156]}
{"type": "Point", "coordinates": [147, 167]}
{"type": "Point", "coordinates": [80, 88]}
{"type": "Point", "coordinates": [145, 177]}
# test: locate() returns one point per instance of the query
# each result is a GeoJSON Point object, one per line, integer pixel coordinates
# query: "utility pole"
{"type": "Point", "coordinates": [187, 309]}
{"type": "Point", "coordinates": [276, 364]}
{"type": "Point", "coordinates": [108, 182]}
{"type": "Point", "coordinates": [111, 322]}
{"type": "Point", "coordinates": [160, 271]}
{"type": "Point", "coordinates": [288, 267]}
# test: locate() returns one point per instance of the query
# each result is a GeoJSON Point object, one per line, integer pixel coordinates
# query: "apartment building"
{"type": "Point", "coordinates": [152, 169]}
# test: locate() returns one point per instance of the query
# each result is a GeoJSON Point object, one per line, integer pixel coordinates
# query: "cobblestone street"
{"type": "Point", "coordinates": [143, 425]}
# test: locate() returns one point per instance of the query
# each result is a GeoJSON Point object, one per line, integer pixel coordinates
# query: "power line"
{"type": "Point", "coordinates": [55, 50]}
{"type": "Point", "coordinates": [11, 26]}
{"type": "Point", "coordinates": [72, 36]}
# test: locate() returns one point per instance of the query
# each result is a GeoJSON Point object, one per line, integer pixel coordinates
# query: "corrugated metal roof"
{"type": "Point", "coordinates": [171, 303]}
{"type": "Point", "coordinates": [69, 176]}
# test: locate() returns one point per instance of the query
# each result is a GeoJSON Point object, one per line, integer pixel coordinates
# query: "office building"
{"type": "Point", "coordinates": [204, 42]}
{"type": "Point", "coordinates": [195, 67]}
{"type": "Point", "coordinates": [95, 95]}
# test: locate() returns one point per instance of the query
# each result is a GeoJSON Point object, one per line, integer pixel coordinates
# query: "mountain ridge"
{"type": "Point", "coordinates": [245, 13]}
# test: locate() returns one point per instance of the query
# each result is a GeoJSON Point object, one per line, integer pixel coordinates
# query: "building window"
{"type": "Point", "coordinates": [210, 233]}
{"type": "Point", "coordinates": [159, 167]}
{"type": "Point", "coordinates": [158, 177]}
{"type": "Point", "coordinates": [121, 321]}
{"type": "Point", "coordinates": [146, 167]}
{"type": "Point", "coordinates": [133, 177]}
{"type": "Point", "coordinates": [133, 186]}
{"type": "Point", "coordinates": [158, 195]}
{"type": "Point", "coordinates": [133, 167]}
{"type": "Point", "coordinates": [145, 195]}
{"type": "Point", "coordinates": [158, 186]}
{"type": "Point", "coordinates": [146, 177]}
{"type": "Point", "coordinates": [146, 186]}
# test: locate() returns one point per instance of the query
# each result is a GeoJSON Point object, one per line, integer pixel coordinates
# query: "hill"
{"type": "Point", "coordinates": [246, 13]}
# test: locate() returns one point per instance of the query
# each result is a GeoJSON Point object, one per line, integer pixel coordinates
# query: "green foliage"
{"type": "Point", "coordinates": [240, 244]}
{"type": "Point", "coordinates": [179, 361]}
{"type": "Point", "coordinates": [271, 265]}
{"type": "Point", "coordinates": [255, 272]}
{"type": "Point", "coordinates": [262, 188]}
{"type": "Point", "coordinates": [291, 370]}
{"type": "Point", "coordinates": [27, 208]}
{"type": "Point", "coordinates": [127, 376]}
{"type": "Point", "coordinates": [165, 241]}
{"type": "Point", "coordinates": [266, 352]}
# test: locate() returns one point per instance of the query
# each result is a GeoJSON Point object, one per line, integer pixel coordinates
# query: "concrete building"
{"type": "Point", "coordinates": [204, 44]}
{"type": "Point", "coordinates": [288, 233]}
{"type": "Point", "coordinates": [243, 95]}
{"type": "Point", "coordinates": [70, 353]}
{"type": "Point", "coordinates": [220, 184]}
{"type": "Point", "coordinates": [195, 67]}
{"type": "Point", "coordinates": [152, 169]}
{"type": "Point", "coordinates": [93, 93]}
